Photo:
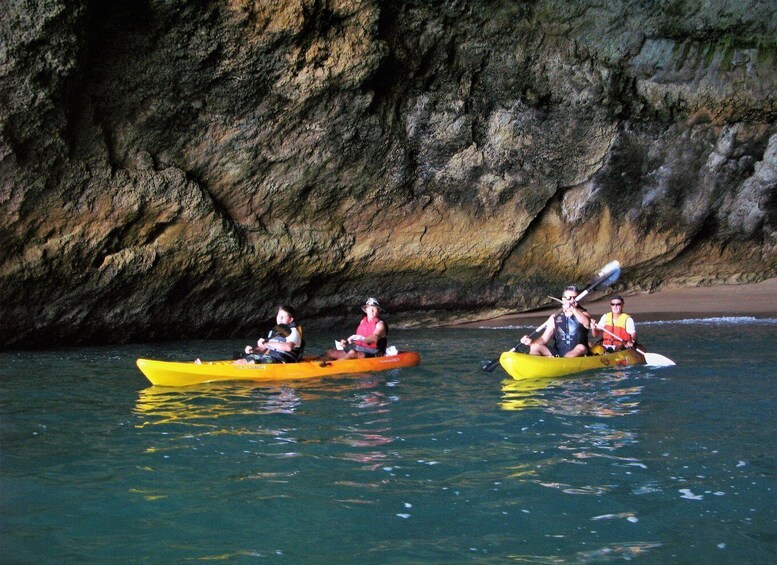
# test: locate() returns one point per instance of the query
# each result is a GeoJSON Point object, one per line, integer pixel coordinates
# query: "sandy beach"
{"type": "Point", "coordinates": [758, 300]}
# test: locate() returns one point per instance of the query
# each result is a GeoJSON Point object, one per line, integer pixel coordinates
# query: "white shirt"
{"type": "Point", "coordinates": [631, 329]}
{"type": "Point", "coordinates": [293, 337]}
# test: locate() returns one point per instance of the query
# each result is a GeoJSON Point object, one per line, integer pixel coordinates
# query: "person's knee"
{"type": "Point", "coordinates": [538, 349]}
{"type": "Point", "coordinates": [578, 351]}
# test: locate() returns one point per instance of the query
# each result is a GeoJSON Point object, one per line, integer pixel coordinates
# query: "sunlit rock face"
{"type": "Point", "coordinates": [177, 168]}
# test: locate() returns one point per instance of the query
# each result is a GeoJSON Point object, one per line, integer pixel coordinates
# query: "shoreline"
{"type": "Point", "coordinates": [757, 300]}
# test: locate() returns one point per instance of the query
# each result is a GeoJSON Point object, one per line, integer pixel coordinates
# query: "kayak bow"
{"type": "Point", "coordinates": [525, 366]}
{"type": "Point", "coordinates": [171, 373]}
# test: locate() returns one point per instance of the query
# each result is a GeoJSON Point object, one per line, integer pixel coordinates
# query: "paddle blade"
{"type": "Point", "coordinates": [491, 365]}
{"type": "Point", "coordinates": [656, 360]}
{"type": "Point", "coordinates": [610, 273]}
{"type": "Point", "coordinates": [607, 276]}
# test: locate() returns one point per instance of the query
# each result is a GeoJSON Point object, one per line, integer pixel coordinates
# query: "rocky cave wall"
{"type": "Point", "coordinates": [176, 168]}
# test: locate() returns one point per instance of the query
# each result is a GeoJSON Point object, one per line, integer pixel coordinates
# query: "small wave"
{"type": "Point", "coordinates": [714, 321]}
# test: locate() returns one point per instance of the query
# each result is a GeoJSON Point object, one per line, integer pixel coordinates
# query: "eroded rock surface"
{"type": "Point", "coordinates": [173, 168]}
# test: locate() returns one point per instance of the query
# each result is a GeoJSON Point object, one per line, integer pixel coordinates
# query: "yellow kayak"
{"type": "Point", "coordinates": [525, 366]}
{"type": "Point", "coordinates": [171, 373]}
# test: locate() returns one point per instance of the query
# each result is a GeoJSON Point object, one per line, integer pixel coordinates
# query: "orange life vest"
{"type": "Point", "coordinates": [618, 328]}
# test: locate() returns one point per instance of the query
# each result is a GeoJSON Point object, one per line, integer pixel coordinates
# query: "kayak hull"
{"type": "Point", "coordinates": [524, 366]}
{"type": "Point", "coordinates": [171, 373]}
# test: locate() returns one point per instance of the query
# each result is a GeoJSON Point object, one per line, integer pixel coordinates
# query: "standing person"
{"type": "Point", "coordinates": [569, 330]}
{"type": "Point", "coordinates": [370, 337]}
{"type": "Point", "coordinates": [288, 350]}
{"type": "Point", "coordinates": [617, 324]}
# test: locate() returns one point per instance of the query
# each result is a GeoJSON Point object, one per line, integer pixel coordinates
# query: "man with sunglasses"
{"type": "Point", "coordinates": [569, 330]}
{"type": "Point", "coordinates": [620, 330]}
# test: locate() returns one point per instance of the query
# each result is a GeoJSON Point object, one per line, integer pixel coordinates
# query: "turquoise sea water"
{"type": "Point", "coordinates": [440, 463]}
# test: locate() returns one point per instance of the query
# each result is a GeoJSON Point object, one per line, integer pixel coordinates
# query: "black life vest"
{"type": "Point", "coordinates": [293, 356]}
{"type": "Point", "coordinates": [569, 332]}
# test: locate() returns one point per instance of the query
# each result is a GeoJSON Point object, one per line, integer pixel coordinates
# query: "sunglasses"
{"type": "Point", "coordinates": [616, 303]}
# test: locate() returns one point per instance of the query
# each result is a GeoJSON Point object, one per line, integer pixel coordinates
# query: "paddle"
{"type": "Point", "coordinates": [653, 359]}
{"type": "Point", "coordinates": [608, 275]}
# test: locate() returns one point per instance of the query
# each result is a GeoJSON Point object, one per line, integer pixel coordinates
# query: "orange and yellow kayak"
{"type": "Point", "coordinates": [525, 366]}
{"type": "Point", "coordinates": [171, 373]}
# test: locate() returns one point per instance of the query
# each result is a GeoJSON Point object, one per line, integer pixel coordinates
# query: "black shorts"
{"type": "Point", "coordinates": [556, 353]}
{"type": "Point", "coordinates": [259, 358]}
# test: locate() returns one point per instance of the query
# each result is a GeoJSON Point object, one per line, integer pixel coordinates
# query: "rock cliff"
{"type": "Point", "coordinates": [176, 168]}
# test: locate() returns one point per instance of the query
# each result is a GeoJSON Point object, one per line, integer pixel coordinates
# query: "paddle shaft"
{"type": "Point", "coordinates": [650, 358]}
{"type": "Point", "coordinates": [605, 330]}
{"type": "Point", "coordinates": [598, 327]}
{"type": "Point", "coordinates": [536, 332]}
{"type": "Point", "coordinates": [608, 332]}
{"type": "Point", "coordinates": [495, 363]}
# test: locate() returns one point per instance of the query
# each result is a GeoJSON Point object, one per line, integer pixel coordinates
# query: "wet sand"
{"type": "Point", "coordinates": [758, 300]}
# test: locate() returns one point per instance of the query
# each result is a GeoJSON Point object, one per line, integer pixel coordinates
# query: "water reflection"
{"type": "Point", "coordinates": [204, 404]}
{"type": "Point", "coordinates": [602, 396]}
{"type": "Point", "coordinates": [571, 458]}
{"type": "Point", "coordinates": [372, 433]}
{"type": "Point", "coordinates": [619, 551]}
{"type": "Point", "coordinates": [525, 393]}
